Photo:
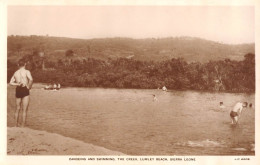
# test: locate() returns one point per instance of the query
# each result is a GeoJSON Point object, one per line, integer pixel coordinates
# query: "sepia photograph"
{"type": "Point", "coordinates": [130, 81]}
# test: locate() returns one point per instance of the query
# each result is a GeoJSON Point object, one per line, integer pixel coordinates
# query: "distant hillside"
{"type": "Point", "coordinates": [191, 49]}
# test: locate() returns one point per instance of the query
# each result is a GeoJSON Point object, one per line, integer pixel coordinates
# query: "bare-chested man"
{"type": "Point", "coordinates": [22, 78]}
{"type": "Point", "coordinates": [236, 111]}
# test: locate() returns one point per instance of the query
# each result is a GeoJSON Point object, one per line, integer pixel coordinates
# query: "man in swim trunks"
{"type": "Point", "coordinates": [236, 111]}
{"type": "Point", "coordinates": [22, 78]}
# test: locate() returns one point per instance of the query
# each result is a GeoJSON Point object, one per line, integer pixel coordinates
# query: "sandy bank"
{"type": "Point", "coordinates": [25, 141]}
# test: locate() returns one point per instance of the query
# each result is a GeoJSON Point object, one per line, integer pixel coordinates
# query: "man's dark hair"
{"type": "Point", "coordinates": [21, 62]}
{"type": "Point", "coordinates": [245, 103]}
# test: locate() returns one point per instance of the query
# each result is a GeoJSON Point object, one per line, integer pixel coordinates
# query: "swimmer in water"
{"type": "Point", "coordinates": [235, 113]}
{"type": "Point", "coordinates": [250, 105]}
{"type": "Point", "coordinates": [155, 98]}
{"type": "Point", "coordinates": [221, 105]}
{"type": "Point", "coordinates": [23, 81]}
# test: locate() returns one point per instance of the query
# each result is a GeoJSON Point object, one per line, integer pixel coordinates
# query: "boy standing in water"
{"type": "Point", "coordinates": [236, 111]}
{"type": "Point", "coordinates": [155, 98]}
{"type": "Point", "coordinates": [22, 78]}
{"type": "Point", "coordinates": [221, 105]}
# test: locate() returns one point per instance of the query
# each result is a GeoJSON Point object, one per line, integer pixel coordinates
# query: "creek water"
{"type": "Point", "coordinates": [130, 121]}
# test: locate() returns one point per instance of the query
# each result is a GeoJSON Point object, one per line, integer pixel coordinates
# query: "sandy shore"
{"type": "Point", "coordinates": [25, 141]}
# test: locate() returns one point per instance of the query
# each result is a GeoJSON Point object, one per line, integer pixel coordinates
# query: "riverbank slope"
{"type": "Point", "coordinates": [25, 141]}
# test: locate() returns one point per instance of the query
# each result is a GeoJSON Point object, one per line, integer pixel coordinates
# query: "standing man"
{"type": "Point", "coordinates": [236, 111]}
{"type": "Point", "coordinates": [22, 78]}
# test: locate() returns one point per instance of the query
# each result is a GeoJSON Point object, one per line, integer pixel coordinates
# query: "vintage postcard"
{"type": "Point", "coordinates": [129, 83]}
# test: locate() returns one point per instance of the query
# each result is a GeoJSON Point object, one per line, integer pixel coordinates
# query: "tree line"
{"type": "Point", "coordinates": [222, 75]}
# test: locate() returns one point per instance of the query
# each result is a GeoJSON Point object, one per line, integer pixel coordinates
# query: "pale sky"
{"type": "Point", "coordinates": [223, 24]}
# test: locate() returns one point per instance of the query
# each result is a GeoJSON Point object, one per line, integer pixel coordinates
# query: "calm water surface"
{"type": "Point", "coordinates": [129, 121]}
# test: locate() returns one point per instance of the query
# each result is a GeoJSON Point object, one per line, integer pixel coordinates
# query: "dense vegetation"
{"type": "Point", "coordinates": [223, 75]}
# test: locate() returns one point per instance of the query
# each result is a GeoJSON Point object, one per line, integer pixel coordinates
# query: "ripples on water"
{"type": "Point", "coordinates": [128, 120]}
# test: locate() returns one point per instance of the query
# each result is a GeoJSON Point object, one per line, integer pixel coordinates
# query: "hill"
{"type": "Point", "coordinates": [156, 49]}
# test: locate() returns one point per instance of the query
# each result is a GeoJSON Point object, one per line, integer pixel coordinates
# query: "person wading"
{"type": "Point", "coordinates": [235, 113]}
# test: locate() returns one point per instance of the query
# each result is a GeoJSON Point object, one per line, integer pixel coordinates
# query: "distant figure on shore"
{"type": "Point", "coordinates": [47, 87]}
{"type": "Point", "coordinates": [52, 87]}
{"type": "Point", "coordinates": [155, 98]}
{"type": "Point", "coordinates": [164, 88]}
{"type": "Point", "coordinates": [235, 113]}
{"type": "Point", "coordinates": [23, 81]}
{"type": "Point", "coordinates": [221, 105]}
{"type": "Point", "coordinates": [58, 86]}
